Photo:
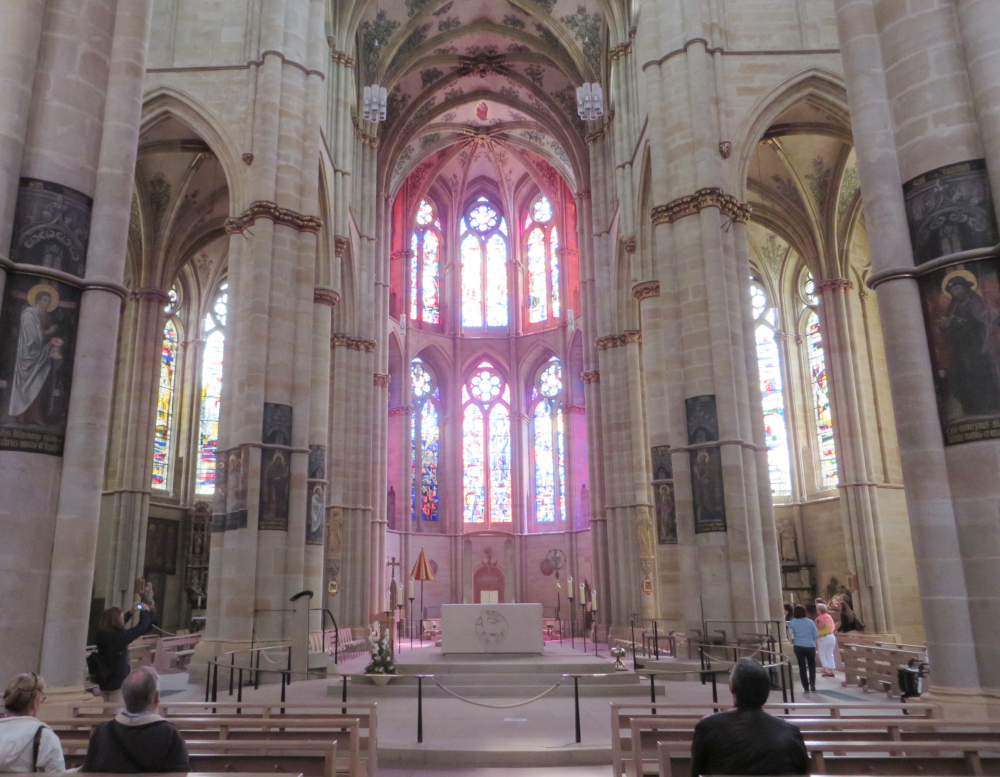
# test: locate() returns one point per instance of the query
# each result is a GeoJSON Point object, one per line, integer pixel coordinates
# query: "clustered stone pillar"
{"type": "Point", "coordinates": [921, 87]}
{"type": "Point", "coordinates": [264, 483]}
{"type": "Point", "coordinates": [703, 333]}
{"type": "Point", "coordinates": [64, 212]}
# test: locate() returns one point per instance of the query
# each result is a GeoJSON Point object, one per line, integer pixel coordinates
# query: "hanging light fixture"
{"type": "Point", "coordinates": [590, 101]}
{"type": "Point", "coordinates": [374, 103]}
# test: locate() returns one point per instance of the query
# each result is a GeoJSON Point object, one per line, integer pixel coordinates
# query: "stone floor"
{"type": "Point", "coordinates": [464, 740]}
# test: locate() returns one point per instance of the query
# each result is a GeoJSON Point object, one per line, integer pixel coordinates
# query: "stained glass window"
{"type": "Point", "coordinates": [543, 262]}
{"type": "Point", "coordinates": [425, 438]}
{"type": "Point", "coordinates": [213, 330]}
{"type": "Point", "coordinates": [425, 245]}
{"type": "Point", "coordinates": [486, 448]}
{"type": "Point", "coordinates": [163, 431]}
{"type": "Point", "coordinates": [771, 391]}
{"type": "Point", "coordinates": [821, 402]}
{"type": "Point", "coordinates": [484, 266]}
{"type": "Point", "coordinates": [549, 446]}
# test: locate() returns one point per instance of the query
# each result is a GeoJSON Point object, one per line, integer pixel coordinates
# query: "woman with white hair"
{"type": "Point", "coordinates": [27, 744]}
{"type": "Point", "coordinates": [827, 642]}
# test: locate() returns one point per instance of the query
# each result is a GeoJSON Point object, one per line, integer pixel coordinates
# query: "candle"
{"type": "Point", "coordinates": [388, 601]}
{"type": "Point", "coordinates": [593, 598]}
{"type": "Point", "coordinates": [583, 593]}
{"type": "Point", "coordinates": [569, 588]}
{"type": "Point", "coordinates": [411, 589]}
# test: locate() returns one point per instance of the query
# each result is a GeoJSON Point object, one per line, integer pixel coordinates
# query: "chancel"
{"type": "Point", "coordinates": [513, 328]}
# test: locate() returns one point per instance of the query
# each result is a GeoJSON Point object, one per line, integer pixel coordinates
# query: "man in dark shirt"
{"type": "Point", "coordinates": [746, 740]}
{"type": "Point", "coordinates": [137, 740]}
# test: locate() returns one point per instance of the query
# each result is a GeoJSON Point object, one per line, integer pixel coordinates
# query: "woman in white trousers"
{"type": "Point", "coordinates": [827, 642]}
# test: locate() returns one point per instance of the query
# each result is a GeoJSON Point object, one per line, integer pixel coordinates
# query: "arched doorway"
{"type": "Point", "coordinates": [487, 584]}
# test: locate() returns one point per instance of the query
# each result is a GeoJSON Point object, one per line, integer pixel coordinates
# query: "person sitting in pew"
{"type": "Point", "coordinates": [137, 740]}
{"type": "Point", "coordinates": [27, 744]}
{"type": "Point", "coordinates": [746, 740]}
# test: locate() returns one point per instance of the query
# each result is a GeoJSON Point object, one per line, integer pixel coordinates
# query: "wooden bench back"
{"type": "Point", "coordinates": [874, 667]}
{"type": "Point", "coordinates": [925, 757]}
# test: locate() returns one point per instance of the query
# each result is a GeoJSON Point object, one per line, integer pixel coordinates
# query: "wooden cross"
{"type": "Point", "coordinates": [392, 565]}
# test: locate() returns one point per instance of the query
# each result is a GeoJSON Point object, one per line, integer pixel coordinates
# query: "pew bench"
{"type": "Point", "coordinates": [938, 758]}
{"type": "Point", "coordinates": [173, 654]}
{"type": "Point", "coordinates": [874, 667]}
{"type": "Point", "coordinates": [310, 759]}
{"type": "Point", "coordinates": [623, 712]}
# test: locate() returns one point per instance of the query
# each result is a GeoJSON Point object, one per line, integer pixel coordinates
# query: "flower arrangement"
{"type": "Point", "coordinates": [382, 660]}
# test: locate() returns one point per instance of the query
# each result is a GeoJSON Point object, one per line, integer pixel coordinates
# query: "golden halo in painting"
{"type": "Point", "coordinates": [44, 288]}
{"type": "Point", "coordinates": [968, 276]}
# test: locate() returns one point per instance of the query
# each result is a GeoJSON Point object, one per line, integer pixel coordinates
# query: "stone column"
{"type": "Point", "coordinates": [125, 503]}
{"type": "Point", "coordinates": [883, 165]}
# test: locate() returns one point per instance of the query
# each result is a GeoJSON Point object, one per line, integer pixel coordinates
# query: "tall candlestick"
{"type": "Point", "coordinates": [410, 591]}
{"type": "Point", "coordinates": [593, 598]}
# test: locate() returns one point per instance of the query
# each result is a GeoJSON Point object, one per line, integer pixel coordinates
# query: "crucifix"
{"type": "Point", "coordinates": [392, 565]}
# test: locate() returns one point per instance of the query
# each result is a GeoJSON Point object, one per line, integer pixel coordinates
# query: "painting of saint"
{"type": "Point", "coordinates": [38, 357]}
{"type": "Point", "coordinates": [317, 506]}
{"type": "Point", "coordinates": [666, 516]}
{"type": "Point", "coordinates": [962, 316]}
{"type": "Point", "coordinates": [36, 362]}
{"type": "Point", "coordinates": [274, 491]}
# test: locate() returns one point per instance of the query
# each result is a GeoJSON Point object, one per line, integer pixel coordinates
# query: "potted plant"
{"type": "Point", "coordinates": [382, 666]}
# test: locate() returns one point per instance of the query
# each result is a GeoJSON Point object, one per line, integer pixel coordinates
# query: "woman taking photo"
{"type": "Point", "coordinates": [803, 634]}
{"type": "Point", "coordinates": [27, 744]}
{"type": "Point", "coordinates": [112, 642]}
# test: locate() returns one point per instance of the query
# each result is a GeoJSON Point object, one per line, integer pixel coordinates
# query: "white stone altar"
{"type": "Point", "coordinates": [492, 628]}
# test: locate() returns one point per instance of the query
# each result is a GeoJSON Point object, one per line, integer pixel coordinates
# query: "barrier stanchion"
{"type": "Point", "coordinates": [239, 692]}
{"type": "Point", "coordinates": [420, 709]}
{"type": "Point", "coordinates": [576, 705]}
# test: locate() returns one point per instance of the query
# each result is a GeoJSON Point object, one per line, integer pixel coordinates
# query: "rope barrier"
{"type": "Point", "coordinates": [499, 706]}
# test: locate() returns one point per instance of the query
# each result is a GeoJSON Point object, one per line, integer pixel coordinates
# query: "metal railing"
{"type": "Point", "coordinates": [336, 631]}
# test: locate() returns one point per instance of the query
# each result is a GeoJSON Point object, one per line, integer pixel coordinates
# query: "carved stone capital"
{"type": "Point", "coordinates": [381, 380]}
{"type": "Point", "coordinates": [149, 295]}
{"type": "Point", "coordinates": [593, 137]}
{"type": "Point", "coordinates": [619, 51]}
{"type": "Point", "coordinates": [341, 58]}
{"type": "Point", "coordinates": [646, 289]}
{"type": "Point", "coordinates": [325, 296]}
{"type": "Point", "coordinates": [583, 194]}
{"type": "Point", "coordinates": [593, 376]}
{"type": "Point", "coordinates": [834, 284]}
{"type": "Point", "coordinates": [630, 245]}
{"type": "Point", "coordinates": [401, 410]}
{"type": "Point", "coordinates": [712, 197]}
{"type": "Point", "coordinates": [617, 341]}
{"type": "Point", "coordinates": [364, 137]}
{"type": "Point", "coordinates": [340, 244]}
{"type": "Point", "coordinates": [575, 409]}
{"type": "Point", "coordinates": [263, 209]}
{"type": "Point", "coordinates": [352, 343]}
{"type": "Point", "coordinates": [725, 149]}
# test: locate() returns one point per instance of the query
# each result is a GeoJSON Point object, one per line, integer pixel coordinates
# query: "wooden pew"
{"type": "Point", "coordinates": [358, 736]}
{"type": "Point", "coordinates": [174, 653]}
{"type": "Point", "coordinates": [311, 759]}
{"type": "Point", "coordinates": [870, 758]}
{"type": "Point", "coordinates": [873, 667]}
{"type": "Point", "coordinates": [622, 713]}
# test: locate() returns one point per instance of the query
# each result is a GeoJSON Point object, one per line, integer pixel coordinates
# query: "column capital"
{"type": "Point", "coordinates": [834, 284]}
{"type": "Point", "coordinates": [149, 295]}
{"type": "Point", "coordinates": [381, 380]}
{"type": "Point", "coordinates": [617, 341]}
{"type": "Point", "coordinates": [342, 59]}
{"type": "Point", "coordinates": [689, 205]}
{"type": "Point", "coordinates": [364, 137]}
{"type": "Point", "coordinates": [593, 376]}
{"type": "Point", "coordinates": [401, 410]}
{"type": "Point", "coordinates": [264, 209]}
{"type": "Point", "coordinates": [645, 290]}
{"type": "Point", "coordinates": [352, 343]}
{"type": "Point", "coordinates": [326, 296]}
{"type": "Point", "coordinates": [340, 244]}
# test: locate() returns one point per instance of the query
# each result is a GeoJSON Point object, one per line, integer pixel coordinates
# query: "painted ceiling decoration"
{"type": "Point", "coordinates": [482, 90]}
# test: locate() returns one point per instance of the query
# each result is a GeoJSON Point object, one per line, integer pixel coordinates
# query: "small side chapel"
{"type": "Point", "coordinates": [693, 303]}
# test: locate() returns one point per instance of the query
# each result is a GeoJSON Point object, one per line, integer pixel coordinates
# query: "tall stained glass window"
{"type": "Point", "coordinates": [213, 332]}
{"type": "Point", "coordinates": [542, 240]}
{"type": "Point", "coordinates": [483, 235]}
{"type": "Point", "coordinates": [549, 444]}
{"type": "Point", "coordinates": [163, 431]}
{"type": "Point", "coordinates": [425, 436]}
{"type": "Point", "coordinates": [821, 402]}
{"type": "Point", "coordinates": [486, 450]}
{"type": "Point", "coordinates": [771, 390]}
{"type": "Point", "coordinates": [425, 243]}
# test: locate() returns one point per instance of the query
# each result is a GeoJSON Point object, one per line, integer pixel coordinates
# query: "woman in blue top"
{"type": "Point", "coordinates": [803, 634]}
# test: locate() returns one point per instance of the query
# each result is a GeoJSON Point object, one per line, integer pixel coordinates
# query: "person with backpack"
{"type": "Point", "coordinates": [109, 667]}
{"type": "Point", "coordinates": [27, 744]}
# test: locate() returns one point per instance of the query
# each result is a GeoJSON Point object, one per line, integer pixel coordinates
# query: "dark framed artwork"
{"type": "Point", "coordinates": [961, 305]}
{"type": "Point", "coordinates": [237, 488]}
{"type": "Point", "coordinates": [51, 226]}
{"type": "Point", "coordinates": [663, 496]}
{"type": "Point", "coordinates": [707, 493]}
{"type": "Point", "coordinates": [221, 486]}
{"type": "Point", "coordinates": [275, 482]}
{"type": "Point", "coordinates": [950, 209]}
{"type": "Point", "coordinates": [162, 536]}
{"type": "Point", "coordinates": [277, 424]}
{"type": "Point", "coordinates": [39, 319]}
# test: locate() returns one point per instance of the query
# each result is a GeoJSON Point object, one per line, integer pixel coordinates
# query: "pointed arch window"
{"type": "Point", "coordinates": [214, 334]}
{"type": "Point", "coordinates": [163, 432]}
{"type": "Point", "coordinates": [823, 414]}
{"type": "Point", "coordinates": [486, 450]}
{"type": "Point", "coordinates": [542, 249]}
{"type": "Point", "coordinates": [771, 389]}
{"type": "Point", "coordinates": [483, 234]}
{"type": "Point", "coordinates": [549, 444]}
{"type": "Point", "coordinates": [425, 438]}
{"type": "Point", "coordinates": [425, 266]}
